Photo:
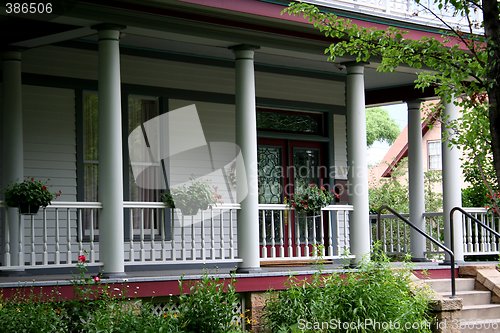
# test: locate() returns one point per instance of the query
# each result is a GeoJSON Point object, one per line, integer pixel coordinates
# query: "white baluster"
{"type": "Point", "coordinates": [221, 226]}
{"type": "Point", "coordinates": [193, 239]}
{"type": "Point", "coordinates": [79, 229]}
{"type": "Point", "coordinates": [152, 233]}
{"type": "Point", "coordinates": [131, 231]}
{"type": "Point", "coordinates": [172, 228]}
{"type": "Point", "coordinates": [163, 235]}
{"type": "Point", "coordinates": [306, 236]}
{"type": "Point", "coordinates": [289, 222]}
{"type": "Point", "coordinates": [297, 237]}
{"type": "Point", "coordinates": [212, 235]}
{"type": "Point", "coordinates": [183, 239]}
{"type": "Point", "coordinates": [322, 231]}
{"type": "Point", "coordinates": [264, 235]}
{"type": "Point", "coordinates": [143, 249]}
{"type": "Point", "coordinates": [33, 246]}
{"type": "Point", "coordinates": [231, 235]}
{"type": "Point", "coordinates": [92, 236]}
{"type": "Point", "coordinates": [20, 253]}
{"type": "Point", "coordinates": [203, 245]}
{"type": "Point", "coordinates": [68, 237]}
{"type": "Point", "coordinates": [273, 241]}
{"type": "Point", "coordinates": [58, 256]}
{"type": "Point", "coordinates": [281, 240]}
{"type": "Point", "coordinates": [45, 257]}
{"type": "Point", "coordinates": [7, 240]}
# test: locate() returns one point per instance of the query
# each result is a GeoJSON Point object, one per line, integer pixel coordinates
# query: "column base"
{"type": "Point", "coordinates": [13, 272]}
{"type": "Point", "coordinates": [248, 270]}
{"type": "Point", "coordinates": [447, 262]}
{"type": "Point", "coordinates": [114, 275]}
{"type": "Point", "coordinates": [420, 260]}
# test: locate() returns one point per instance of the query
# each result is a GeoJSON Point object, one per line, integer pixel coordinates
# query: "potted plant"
{"type": "Point", "coordinates": [311, 198]}
{"type": "Point", "coordinates": [29, 195]}
{"type": "Point", "coordinates": [191, 198]}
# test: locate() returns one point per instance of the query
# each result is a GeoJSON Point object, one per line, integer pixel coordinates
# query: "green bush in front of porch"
{"type": "Point", "coordinates": [374, 298]}
{"type": "Point", "coordinates": [207, 308]}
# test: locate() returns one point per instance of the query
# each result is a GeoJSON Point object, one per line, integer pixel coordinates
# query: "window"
{"type": "Point", "coordinates": [290, 122]}
{"type": "Point", "coordinates": [90, 146]}
{"type": "Point", "coordinates": [140, 110]}
{"type": "Point", "coordinates": [90, 160]}
{"type": "Point", "coordinates": [434, 154]}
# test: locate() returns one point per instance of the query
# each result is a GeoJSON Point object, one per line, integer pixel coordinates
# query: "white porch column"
{"type": "Point", "coordinates": [246, 139]}
{"type": "Point", "coordinates": [110, 193]}
{"type": "Point", "coordinates": [416, 180]}
{"type": "Point", "coordinates": [12, 139]}
{"type": "Point", "coordinates": [452, 190]}
{"type": "Point", "coordinates": [359, 223]}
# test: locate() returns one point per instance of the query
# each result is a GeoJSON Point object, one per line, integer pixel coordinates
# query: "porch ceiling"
{"type": "Point", "coordinates": [191, 30]}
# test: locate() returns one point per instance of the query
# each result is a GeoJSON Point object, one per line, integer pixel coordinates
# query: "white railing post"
{"type": "Point", "coordinates": [12, 144]}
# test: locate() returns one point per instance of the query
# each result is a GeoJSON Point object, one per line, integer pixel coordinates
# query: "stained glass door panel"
{"type": "Point", "coordinates": [308, 231]}
{"type": "Point", "coordinates": [272, 223]}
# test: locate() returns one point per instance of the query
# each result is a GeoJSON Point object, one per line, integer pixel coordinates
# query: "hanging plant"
{"type": "Point", "coordinates": [311, 198]}
{"type": "Point", "coordinates": [191, 198]}
{"type": "Point", "coordinates": [29, 195]}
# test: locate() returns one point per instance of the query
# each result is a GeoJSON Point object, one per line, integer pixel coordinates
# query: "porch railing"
{"type": "Point", "coordinates": [60, 232]}
{"type": "Point", "coordinates": [286, 234]}
{"type": "Point", "coordinates": [396, 237]}
{"type": "Point", "coordinates": [54, 237]}
{"type": "Point", "coordinates": [155, 234]}
{"type": "Point", "coordinates": [408, 11]}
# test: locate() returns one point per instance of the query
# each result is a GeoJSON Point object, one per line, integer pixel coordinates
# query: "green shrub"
{"type": "Point", "coordinates": [31, 315]}
{"type": "Point", "coordinates": [367, 300]}
{"type": "Point", "coordinates": [208, 308]}
{"type": "Point", "coordinates": [127, 316]}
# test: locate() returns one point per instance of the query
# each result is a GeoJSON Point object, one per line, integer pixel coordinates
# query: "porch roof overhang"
{"type": "Point", "coordinates": [199, 29]}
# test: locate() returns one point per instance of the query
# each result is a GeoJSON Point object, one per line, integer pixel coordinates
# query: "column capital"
{"type": "Point", "coordinates": [11, 55]}
{"type": "Point", "coordinates": [354, 66]}
{"type": "Point", "coordinates": [244, 51]}
{"type": "Point", "coordinates": [414, 104]}
{"type": "Point", "coordinates": [108, 26]}
{"type": "Point", "coordinates": [244, 47]}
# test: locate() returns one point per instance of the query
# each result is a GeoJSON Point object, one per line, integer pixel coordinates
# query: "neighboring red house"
{"type": "Point", "coordinates": [431, 150]}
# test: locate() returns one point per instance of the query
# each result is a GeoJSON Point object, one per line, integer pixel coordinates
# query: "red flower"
{"type": "Point", "coordinates": [82, 258]}
{"type": "Point", "coordinates": [44, 188]}
{"type": "Point", "coordinates": [96, 279]}
{"type": "Point", "coordinates": [322, 188]}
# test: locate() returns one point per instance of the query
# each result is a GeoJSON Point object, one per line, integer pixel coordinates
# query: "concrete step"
{"type": "Point", "coordinates": [480, 326]}
{"type": "Point", "coordinates": [444, 285]}
{"type": "Point", "coordinates": [481, 311]}
{"type": "Point", "coordinates": [471, 297]}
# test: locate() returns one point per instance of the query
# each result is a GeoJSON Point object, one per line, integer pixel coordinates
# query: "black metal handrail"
{"type": "Point", "coordinates": [461, 210]}
{"type": "Point", "coordinates": [423, 233]}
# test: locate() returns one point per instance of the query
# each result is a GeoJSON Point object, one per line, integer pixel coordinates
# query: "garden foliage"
{"type": "Point", "coordinates": [349, 302]}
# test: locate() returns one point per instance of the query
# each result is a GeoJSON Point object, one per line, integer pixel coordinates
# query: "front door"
{"type": "Point", "coordinates": [286, 165]}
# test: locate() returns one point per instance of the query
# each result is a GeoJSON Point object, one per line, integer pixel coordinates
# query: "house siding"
{"type": "Point", "coordinates": [78, 63]}
{"type": "Point", "coordinates": [49, 138]}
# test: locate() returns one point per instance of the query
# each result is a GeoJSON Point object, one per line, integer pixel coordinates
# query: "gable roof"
{"type": "Point", "coordinates": [399, 148]}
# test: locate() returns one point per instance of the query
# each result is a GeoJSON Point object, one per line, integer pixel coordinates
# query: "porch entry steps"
{"type": "Point", "coordinates": [478, 313]}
